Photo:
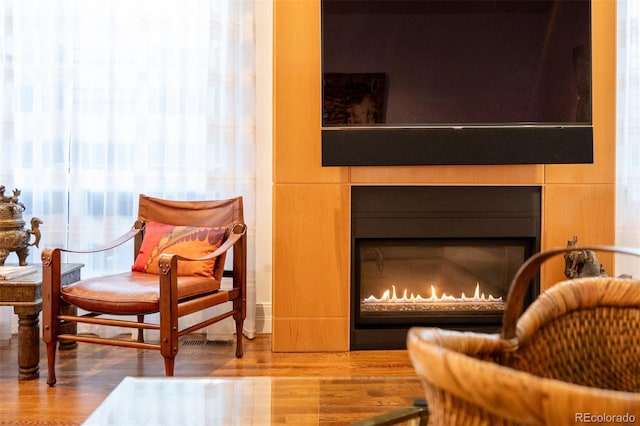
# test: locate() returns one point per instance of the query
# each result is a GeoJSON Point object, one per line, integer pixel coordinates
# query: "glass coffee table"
{"type": "Point", "coordinates": [259, 401]}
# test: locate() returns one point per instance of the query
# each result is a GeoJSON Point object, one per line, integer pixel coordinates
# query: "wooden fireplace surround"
{"type": "Point", "coordinates": [311, 203]}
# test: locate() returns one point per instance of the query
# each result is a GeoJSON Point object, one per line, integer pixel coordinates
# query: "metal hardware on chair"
{"type": "Point", "coordinates": [241, 225]}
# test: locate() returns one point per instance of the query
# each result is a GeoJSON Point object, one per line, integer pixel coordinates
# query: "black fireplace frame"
{"type": "Point", "coordinates": [437, 212]}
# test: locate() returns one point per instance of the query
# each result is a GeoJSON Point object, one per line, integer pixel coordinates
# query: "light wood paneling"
{"type": "Point", "coordinates": [310, 334]}
{"type": "Point", "coordinates": [449, 175]}
{"type": "Point", "coordinates": [297, 85]}
{"type": "Point", "coordinates": [585, 211]}
{"type": "Point", "coordinates": [311, 251]}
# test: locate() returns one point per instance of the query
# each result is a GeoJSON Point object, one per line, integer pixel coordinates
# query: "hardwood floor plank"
{"type": "Point", "coordinates": [320, 388]}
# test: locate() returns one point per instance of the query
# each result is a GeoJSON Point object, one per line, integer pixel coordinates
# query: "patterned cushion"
{"type": "Point", "coordinates": [187, 241]}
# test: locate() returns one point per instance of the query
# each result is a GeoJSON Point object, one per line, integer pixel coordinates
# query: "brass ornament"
{"type": "Point", "coordinates": [13, 236]}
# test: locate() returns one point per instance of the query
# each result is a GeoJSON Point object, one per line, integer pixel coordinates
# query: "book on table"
{"type": "Point", "coordinates": [10, 272]}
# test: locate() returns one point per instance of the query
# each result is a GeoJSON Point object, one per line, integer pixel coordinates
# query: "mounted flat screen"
{"type": "Point", "coordinates": [456, 82]}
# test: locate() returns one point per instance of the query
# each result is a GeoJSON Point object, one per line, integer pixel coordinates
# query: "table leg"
{"type": "Point", "coordinates": [28, 345]}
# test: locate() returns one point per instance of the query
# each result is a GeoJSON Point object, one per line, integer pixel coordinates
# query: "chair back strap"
{"type": "Point", "coordinates": [191, 213]}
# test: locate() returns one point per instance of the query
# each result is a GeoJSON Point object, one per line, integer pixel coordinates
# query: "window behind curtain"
{"type": "Point", "coordinates": [628, 133]}
{"type": "Point", "coordinates": [103, 100]}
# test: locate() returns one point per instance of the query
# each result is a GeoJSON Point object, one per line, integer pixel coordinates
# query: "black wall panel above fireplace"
{"type": "Point", "coordinates": [456, 146]}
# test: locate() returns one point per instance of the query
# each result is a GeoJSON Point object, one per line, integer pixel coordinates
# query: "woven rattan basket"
{"type": "Point", "coordinates": [573, 357]}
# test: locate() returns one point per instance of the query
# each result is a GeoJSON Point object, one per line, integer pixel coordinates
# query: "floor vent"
{"type": "Point", "coordinates": [202, 341]}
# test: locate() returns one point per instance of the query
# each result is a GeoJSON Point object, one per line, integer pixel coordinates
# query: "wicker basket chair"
{"type": "Point", "coordinates": [572, 357]}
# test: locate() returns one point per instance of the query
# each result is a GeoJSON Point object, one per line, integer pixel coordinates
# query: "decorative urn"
{"type": "Point", "coordinates": [13, 236]}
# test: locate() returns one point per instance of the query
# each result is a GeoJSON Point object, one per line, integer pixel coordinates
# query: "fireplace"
{"type": "Point", "coordinates": [436, 256]}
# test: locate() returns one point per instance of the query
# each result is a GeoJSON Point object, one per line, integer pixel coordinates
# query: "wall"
{"type": "Point", "coordinates": [264, 164]}
{"type": "Point", "coordinates": [311, 203]}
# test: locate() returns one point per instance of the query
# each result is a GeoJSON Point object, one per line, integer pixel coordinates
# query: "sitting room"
{"type": "Point", "coordinates": [393, 217]}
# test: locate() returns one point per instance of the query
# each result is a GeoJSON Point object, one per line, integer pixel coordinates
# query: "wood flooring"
{"type": "Point", "coordinates": [348, 386]}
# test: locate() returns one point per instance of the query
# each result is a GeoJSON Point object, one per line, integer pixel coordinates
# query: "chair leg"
{"type": "Point", "coordinates": [169, 363]}
{"type": "Point", "coordinates": [239, 337]}
{"type": "Point", "coordinates": [51, 362]}
{"type": "Point", "coordinates": [141, 330]}
{"type": "Point", "coordinates": [51, 274]}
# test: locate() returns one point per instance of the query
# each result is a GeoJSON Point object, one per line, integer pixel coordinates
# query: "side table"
{"type": "Point", "coordinates": [25, 295]}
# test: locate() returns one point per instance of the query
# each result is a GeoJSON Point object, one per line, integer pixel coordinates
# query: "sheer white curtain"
{"type": "Point", "coordinates": [103, 100]}
{"type": "Point", "coordinates": [628, 134]}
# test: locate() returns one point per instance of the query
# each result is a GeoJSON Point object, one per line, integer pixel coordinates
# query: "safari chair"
{"type": "Point", "coordinates": [180, 249]}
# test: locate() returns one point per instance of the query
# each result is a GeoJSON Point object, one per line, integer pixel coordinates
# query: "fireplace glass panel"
{"type": "Point", "coordinates": [413, 281]}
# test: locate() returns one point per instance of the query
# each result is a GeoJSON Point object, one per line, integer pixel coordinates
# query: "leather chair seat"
{"type": "Point", "coordinates": [130, 293]}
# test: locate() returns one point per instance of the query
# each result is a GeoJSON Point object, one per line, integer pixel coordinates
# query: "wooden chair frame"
{"type": "Point", "coordinates": [58, 315]}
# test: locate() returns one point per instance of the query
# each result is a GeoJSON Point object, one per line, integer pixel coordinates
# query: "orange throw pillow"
{"type": "Point", "coordinates": [187, 241]}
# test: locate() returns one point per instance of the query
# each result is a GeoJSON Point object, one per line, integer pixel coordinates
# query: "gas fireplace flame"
{"type": "Point", "coordinates": [390, 296]}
